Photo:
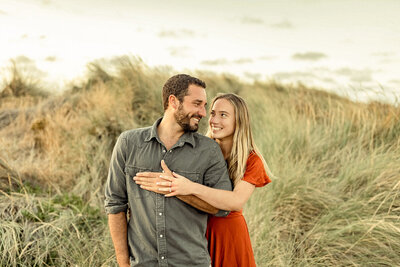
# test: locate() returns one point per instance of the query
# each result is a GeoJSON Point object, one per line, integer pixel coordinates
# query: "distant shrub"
{"type": "Point", "coordinates": [21, 85]}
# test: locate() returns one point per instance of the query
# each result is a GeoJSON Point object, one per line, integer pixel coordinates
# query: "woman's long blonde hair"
{"type": "Point", "coordinates": [243, 142]}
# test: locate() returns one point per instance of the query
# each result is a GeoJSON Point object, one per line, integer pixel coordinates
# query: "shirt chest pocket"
{"type": "Point", "coordinates": [192, 176]}
{"type": "Point", "coordinates": [134, 189]}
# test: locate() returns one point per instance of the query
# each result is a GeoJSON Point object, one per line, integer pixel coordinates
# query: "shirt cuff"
{"type": "Point", "coordinates": [114, 209]}
{"type": "Point", "coordinates": [222, 213]}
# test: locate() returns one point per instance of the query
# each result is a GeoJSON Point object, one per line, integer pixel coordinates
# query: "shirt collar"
{"type": "Point", "coordinates": [187, 137]}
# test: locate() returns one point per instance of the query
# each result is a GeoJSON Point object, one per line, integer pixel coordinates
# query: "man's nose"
{"type": "Point", "coordinates": [203, 112]}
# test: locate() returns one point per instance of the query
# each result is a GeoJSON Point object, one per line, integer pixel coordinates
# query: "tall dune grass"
{"type": "Point", "coordinates": [334, 200]}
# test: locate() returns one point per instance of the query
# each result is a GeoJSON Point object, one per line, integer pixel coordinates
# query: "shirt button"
{"type": "Point", "coordinates": [163, 150]}
{"type": "Point", "coordinates": [162, 257]}
{"type": "Point", "coordinates": [160, 214]}
{"type": "Point", "coordinates": [170, 151]}
{"type": "Point", "coordinates": [161, 235]}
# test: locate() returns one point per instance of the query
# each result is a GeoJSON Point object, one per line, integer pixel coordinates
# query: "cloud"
{"type": "Point", "coordinates": [243, 61]}
{"type": "Point", "coordinates": [215, 62]}
{"type": "Point", "coordinates": [252, 75]}
{"type": "Point", "coordinates": [355, 75]}
{"type": "Point", "coordinates": [266, 58]}
{"type": "Point", "coordinates": [251, 20]}
{"type": "Point", "coordinates": [395, 82]}
{"type": "Point", "coordinates": [23, 60]}
{"type": "Point", "coordinates": [285, 24]}
{"type": "Point", "coordinates": [329, 80]}
{"type": "Point", "coordinates": [385, 57]}
{"type": "Point", "coordinates": [224, 61]}
{"type": "Point", "coordinates": [309, 56]}
{"type": "Point", "coordinates": [46, 2]}
{"type": "Point", "coordinates": [383, 54]}
{"type": "Point", "coordinates": [179, 51]}
{"type": "Point", "coordinates": [182, 33]}
{"type": "Point", "coordinates": [26, 36]}
{"type": "Point", "coordinates": [51, 59]}
{"type": "Point", "coordinates": [294, 75]}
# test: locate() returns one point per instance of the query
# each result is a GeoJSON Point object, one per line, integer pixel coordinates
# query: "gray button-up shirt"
{"type": "Point", "coordinates": [163, 231]}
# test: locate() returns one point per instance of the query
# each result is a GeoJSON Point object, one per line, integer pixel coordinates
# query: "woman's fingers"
{"type": "Point", "coordinates": [152, 179]}
{"type": "Point", "coordinates": [167, 178]}
{"type": "Point", "coordinates": [143, 179]}
{"type": "Point", "coordinates": [149, 188]}
{"type": "Point", "coordinates": [149, 174]}
{"type": "Point", "coordinates": [169, 184]}
{"type": "Point", "coordinates": [165, 189]}
{"type": "Point", "coordinates": [172, 194]}
{"type": "Point", "coordinates": [165, 168]}
{"type": "Point", "coordinates": [146, 184]}
{"type": "Point", "coordinates": [170, 190]}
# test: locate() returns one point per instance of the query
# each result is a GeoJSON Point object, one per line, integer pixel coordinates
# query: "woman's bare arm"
{"type": "Point", "coordinates": [149, 180]}
{"type": "Point", "coordinates": [221, 199]}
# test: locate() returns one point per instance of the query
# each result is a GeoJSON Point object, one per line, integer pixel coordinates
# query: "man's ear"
{"type": "Point", "coordinates": [173, 102]}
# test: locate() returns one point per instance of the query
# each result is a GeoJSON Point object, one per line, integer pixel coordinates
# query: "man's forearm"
{"type": "Point", "coordinates": [119, 234]}
{"type": "Point", "coordinates": [198, 204]}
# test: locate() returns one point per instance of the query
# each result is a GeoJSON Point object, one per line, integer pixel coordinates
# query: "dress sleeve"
{"type": "Point", "coordinates": [255, 172]}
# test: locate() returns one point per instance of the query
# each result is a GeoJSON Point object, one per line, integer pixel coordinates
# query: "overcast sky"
{"type": "Point", "coordinates": [337, 44]}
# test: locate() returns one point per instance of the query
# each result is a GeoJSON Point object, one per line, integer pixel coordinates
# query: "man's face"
{"type": "Point", "coordinates": [192, 108]}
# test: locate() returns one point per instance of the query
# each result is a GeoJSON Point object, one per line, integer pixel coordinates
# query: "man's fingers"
{"type": "Point", "coordinates": [165, 168]}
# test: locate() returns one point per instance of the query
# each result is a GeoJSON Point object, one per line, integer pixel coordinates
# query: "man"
{"type": "Point", "coordinates": [164, 231]}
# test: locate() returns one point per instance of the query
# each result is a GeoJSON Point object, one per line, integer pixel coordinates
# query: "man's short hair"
{"type": "Point", "coordinates": [178, 86]}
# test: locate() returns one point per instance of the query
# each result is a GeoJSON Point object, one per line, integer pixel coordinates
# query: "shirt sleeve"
{"type": "Point", "coordinates": [255, 172]}
{"type": "Point", "coordinates": [116, 199]}
{"type": "Point", "coordinates": [216, 176]}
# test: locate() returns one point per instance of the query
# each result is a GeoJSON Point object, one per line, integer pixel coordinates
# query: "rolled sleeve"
{"type": "Point", "coordinates": [116, 199]}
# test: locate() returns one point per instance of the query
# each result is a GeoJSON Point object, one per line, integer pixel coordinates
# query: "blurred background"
{"type": "Point", "coordinates": [321, 79]}
{"type": "Point", "coordinates": [347, 46]}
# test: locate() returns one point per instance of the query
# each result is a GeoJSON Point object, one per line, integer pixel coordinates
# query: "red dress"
{"type": "Point", "coordinates": [228, 237]}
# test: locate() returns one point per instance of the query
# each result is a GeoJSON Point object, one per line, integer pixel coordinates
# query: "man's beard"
{"type": "Point", "coordinates": [183, 119]}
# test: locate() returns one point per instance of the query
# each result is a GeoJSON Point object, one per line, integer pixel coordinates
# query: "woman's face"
{"type": "Point", "coordinates": [222, 120]}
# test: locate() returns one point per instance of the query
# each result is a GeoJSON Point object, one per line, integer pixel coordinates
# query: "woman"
{"type": "Point", "coordinates": [228, 237]}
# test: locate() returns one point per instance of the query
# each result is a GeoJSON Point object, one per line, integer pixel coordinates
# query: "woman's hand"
{"type": "Point", "coordinates": [175, 185]}
{"type": "Point", "coordinates": [149, 180]}
{"type": "Point", "coordinates": [167, 183]}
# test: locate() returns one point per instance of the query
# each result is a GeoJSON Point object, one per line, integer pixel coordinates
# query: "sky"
{"type": "Point", "coordinates": [347, 46]}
